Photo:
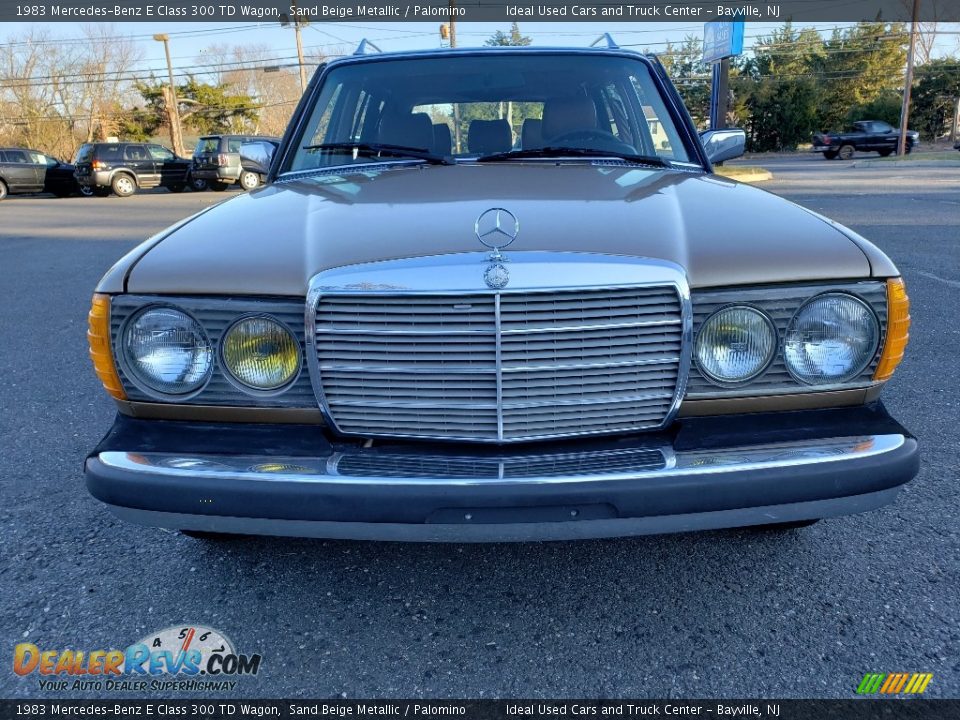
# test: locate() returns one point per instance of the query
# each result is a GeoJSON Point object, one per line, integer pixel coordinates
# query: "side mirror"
{"type": "Point", "coordinates": [257, 155]}
{"type": "Point", "coordinates": [723, 145]}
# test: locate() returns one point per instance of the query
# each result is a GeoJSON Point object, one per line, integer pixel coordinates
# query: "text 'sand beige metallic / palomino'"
{"type": "Point", "coordinates": [498, 294]}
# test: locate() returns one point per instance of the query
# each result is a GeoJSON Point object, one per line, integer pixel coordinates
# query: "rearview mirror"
{"type": "Point", "coordinates": [723, 145]}
{"type": "Point", "coordinates": [257, 156]}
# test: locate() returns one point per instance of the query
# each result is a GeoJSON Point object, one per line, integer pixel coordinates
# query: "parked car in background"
{"type": "Point", "coordinates": [216, 160]}
{"type": "Point", "coordinates": [866, 136]}
{"type": "Point", "coordinates": [125, 167]}
{"type": "Point", "coordinates": [256, 156]}
{"type": "Point", "coordinates": [25, 171]}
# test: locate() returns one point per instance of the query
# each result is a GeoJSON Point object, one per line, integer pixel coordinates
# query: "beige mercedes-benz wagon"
{"type": "Point", "coordinates": [498, 294]}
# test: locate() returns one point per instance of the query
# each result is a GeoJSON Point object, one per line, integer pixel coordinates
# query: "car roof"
{"type": "Point", "coordinates": [447, 52]}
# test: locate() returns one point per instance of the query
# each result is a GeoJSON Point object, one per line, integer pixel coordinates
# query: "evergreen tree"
{"type": "Point", "coordinates": [934, 97]}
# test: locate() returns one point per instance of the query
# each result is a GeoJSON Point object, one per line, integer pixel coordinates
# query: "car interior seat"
{"type": "Point", "coordinates": [489, 136]}
{"type": "Point", "coordinates": [565, 115]}
{"type": "Point", "coordinates": [531, 134]}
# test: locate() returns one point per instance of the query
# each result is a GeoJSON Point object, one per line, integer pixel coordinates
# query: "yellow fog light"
{"type": "Point", "coordinates": [261, 353]}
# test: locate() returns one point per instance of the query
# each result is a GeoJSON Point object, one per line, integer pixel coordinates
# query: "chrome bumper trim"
{"type": "Point", "coordinates": [496, 469]}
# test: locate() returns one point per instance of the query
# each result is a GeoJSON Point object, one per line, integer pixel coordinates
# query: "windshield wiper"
{"type": "Point", "coordinates": [551, 151]}
{"type": "Point", "coordinates": [378, 149]}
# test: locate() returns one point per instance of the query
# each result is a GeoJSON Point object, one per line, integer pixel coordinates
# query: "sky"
{"type": "Point", "coordinates": [188, 41]}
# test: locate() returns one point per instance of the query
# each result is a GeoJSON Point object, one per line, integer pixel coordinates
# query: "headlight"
{"type": "Point", "coordinates": [261, 353]}
{"type": "Point", "coordinates": [168, 351]}
{"type": "Point", "coordinates": [831, 339]}
{"type": "Point", "coordinates": [735, 344]}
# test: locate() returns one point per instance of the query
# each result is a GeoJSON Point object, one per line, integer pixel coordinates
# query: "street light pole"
{"type": "Point", "coordinates": [173, 109]}
{"type": "Point", "coordinates": [908, 83]}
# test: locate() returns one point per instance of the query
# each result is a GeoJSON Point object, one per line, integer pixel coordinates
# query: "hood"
{"type": "Point", "coordinates": [273, 240]}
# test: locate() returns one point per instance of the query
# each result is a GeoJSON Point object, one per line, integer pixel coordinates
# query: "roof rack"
{"type": "Point", "coordinates": [606, 38]}
{"type": "Point", "coordinates": [362, 48]}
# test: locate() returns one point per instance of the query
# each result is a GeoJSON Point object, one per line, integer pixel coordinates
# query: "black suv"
{"type": "Point", "coordinates": [126, 166]}
{"type": "Point", "coordinates": [216, 160]}
{"type": "Point", "coordinates": [29, 171]}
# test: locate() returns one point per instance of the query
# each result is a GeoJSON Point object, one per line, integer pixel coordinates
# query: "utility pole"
{"type": "Point", "coordinates": [170, 98]}
{"type": "Point", "coordinates": [298, 22]}
{"type": "Point", "coordinates": [456, 107]}
{"type": "Point", "coordinates": [905, 108]}
{"type": "Point", "coordinates": [955, 124]}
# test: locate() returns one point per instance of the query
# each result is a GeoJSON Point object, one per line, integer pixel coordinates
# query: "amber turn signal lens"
{"type": "Point", "coordinates": [98, 336]}
{"type": "Point", "coordinates": [898, 329]}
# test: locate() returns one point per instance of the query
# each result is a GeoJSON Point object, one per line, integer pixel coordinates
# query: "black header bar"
{"type": "Point", "coordinates": [380, 11]}
{"type": "Point", "coordinates": [213, 708]}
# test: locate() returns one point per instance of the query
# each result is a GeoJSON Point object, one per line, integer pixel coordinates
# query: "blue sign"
{"type": "Point", "coordinates": [721, 40]}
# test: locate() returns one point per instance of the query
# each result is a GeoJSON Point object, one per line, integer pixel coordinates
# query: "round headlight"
{"type": "Point", "coordinates": [261, 353]}
{"type": "Point", "coordinates": [735, 344]}
{"type": "Point", "coordinates": [831, 339]}
{"type": "Point", "coordinates": [168, 351]}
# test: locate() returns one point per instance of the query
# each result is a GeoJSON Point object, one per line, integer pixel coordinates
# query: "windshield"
{"type": "Point", "coordinates": [473, 106]}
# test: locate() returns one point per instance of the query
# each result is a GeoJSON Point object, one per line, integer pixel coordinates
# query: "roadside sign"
{"type": "Point", "coordinates": [722, 40]}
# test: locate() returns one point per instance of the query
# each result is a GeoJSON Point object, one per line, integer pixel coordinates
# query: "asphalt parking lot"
{"type": "Point", "coordinates": [717, 614]}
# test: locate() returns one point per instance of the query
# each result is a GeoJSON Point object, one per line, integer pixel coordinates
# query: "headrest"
{"type": "Point", "coordinates": [489, 136]}
{"type": "Point", "coordinates": [569, 114]}
{"type": "Point", "coordinates": [531, 135]}
{"type": "Point", "coordinates": [442, 141]}
{"type": "Point", "coordinates": [409, 129]}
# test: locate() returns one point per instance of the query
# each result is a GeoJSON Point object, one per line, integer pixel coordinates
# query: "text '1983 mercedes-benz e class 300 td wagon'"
{"type": "Point", "coordinates": [498, 294]}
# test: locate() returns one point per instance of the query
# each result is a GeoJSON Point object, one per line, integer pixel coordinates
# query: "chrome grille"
{"type": "Point", "coordinates": [598, 462]}
{"type": "Point", "coordinates": [499, 366]}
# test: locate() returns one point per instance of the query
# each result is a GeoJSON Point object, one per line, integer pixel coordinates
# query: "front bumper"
{"type": "Point", "coordinates": [706, 473]}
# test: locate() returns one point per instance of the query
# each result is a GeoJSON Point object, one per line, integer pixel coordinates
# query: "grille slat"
{"type": "Point", "coordinates": [493, 468]}
{"type": "Point", "coordinates": [562, 363]}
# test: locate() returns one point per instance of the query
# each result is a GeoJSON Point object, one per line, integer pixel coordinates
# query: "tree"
{"type": "Point", "coordinates": [514, 39]}
{"type": "Point", "coordinates": [860, 64]}
{"type": "Point", "coordinates": [934, 97]}
{"type": "Point", "coordinates": [241, 69]}
{"type": "Point", "coordinates": [780, 95]}
{"type": "Point", "coordinates": [691, 75]}
{"type": "Point", "coordinates": [55, 95]}
{"type": "Point", "coordinates": [204, 108]}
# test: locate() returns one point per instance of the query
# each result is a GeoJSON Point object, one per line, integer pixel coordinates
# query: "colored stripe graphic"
{"type": "Point", "coordinates": [870, 683]}
{"type": "Point", "coordinates": [894, 683]}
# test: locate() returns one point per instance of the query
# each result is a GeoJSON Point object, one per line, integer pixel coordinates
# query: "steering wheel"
{"type": "Point", "coordinates": [593, 139]}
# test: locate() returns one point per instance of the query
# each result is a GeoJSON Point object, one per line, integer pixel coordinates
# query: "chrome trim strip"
{"type": "Point", "coordinates": [412, 333]}
{"type": "Point", "coordinates": [482, 371]}
{"type": "Point", "coordinates": [678, 464]}
{"type": "Point", "coordinates": [531, 272]}
{"type": "Point", "coordinates": [409, 370]}
{"type": "Point", "coordinates": [519, 331]}
{"type": "Point", "coordinates": [575, 328]}
{"type": "Point", "coordinates": [498, 344]}
{"type": "Point", "coordinates": [500, 405]}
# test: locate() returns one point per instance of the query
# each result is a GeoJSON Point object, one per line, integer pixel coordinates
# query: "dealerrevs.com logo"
{"type": "Point", "coordinates": [189, 658]}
